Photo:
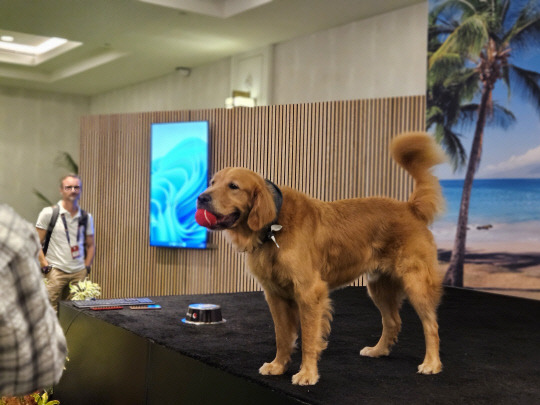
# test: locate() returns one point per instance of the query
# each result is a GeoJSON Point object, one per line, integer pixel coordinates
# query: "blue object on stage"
{"type": "Point", "coordinates": [112, 302]}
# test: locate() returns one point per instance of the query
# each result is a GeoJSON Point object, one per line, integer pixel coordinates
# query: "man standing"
{"type": "Point", "coordinates": [71, 249]}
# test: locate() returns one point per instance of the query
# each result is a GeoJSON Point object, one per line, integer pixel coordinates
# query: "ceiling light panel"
{"type": "Point", "coordinates": [31, 50]}
{"type": "Point", "coordinates": [213, 8]}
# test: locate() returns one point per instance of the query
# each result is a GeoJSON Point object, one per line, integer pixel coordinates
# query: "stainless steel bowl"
{"type": "Point", "coordinates": [203, 314]}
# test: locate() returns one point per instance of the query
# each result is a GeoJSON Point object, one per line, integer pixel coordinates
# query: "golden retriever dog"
{"type": "Point", "coordinates": [300, 248]}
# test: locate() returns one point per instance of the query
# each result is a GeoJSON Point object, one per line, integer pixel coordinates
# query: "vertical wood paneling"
{"type": "Point", "coordinates": [329, 150]}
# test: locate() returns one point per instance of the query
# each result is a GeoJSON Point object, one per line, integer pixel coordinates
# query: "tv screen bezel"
{"type": "Point", "coordinates": [159, 244]}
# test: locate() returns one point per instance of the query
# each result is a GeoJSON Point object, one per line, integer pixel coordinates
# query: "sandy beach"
{"type": "Point", "coordinates": [510, 268]}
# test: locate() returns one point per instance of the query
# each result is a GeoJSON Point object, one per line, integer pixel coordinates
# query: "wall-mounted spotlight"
{"type": "Point", "coordinates": [240, 99]}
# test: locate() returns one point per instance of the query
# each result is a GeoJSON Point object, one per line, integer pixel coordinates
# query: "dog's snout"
{"type": "Point", "coordinates": [204, 199]}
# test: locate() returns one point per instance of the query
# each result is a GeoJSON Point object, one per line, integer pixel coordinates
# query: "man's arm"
{"type": "Point", "coordinates": [42, 259]}
{"type": "Point", "coordinates": [90, 250]}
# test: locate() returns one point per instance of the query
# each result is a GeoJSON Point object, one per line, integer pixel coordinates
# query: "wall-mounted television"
{"type": "Point", "coordinates": [178, 174]}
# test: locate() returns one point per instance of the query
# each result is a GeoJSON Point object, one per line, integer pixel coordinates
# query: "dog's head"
{"type": "Point", "coordinates": [238, 197]}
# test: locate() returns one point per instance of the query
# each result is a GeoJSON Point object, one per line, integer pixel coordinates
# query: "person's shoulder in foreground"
{"type": "Point", "coordinates": [32, 345]}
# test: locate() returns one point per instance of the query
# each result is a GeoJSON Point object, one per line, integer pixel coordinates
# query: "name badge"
{"type": "Point", "coordinates": [75, 253]}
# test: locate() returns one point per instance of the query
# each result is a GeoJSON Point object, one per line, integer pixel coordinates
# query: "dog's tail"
{"type": "Point", "coordinates": [417, 152]}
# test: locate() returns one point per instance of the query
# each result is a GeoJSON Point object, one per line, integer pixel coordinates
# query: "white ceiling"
{"type": "Point", "coordinates": [131, 41]}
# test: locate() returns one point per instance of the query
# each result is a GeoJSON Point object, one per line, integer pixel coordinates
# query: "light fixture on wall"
{"type": "Point", "coordinates": [240, 99]}
{"type": "Point", "coordinates": [184, 71]}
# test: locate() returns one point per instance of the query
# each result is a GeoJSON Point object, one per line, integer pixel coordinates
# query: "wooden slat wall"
{"type": "Point", "coordinates": [329, 150]}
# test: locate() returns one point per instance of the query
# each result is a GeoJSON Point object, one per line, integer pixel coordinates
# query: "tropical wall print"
{"type": "Point", "coordinates": [483, 106]}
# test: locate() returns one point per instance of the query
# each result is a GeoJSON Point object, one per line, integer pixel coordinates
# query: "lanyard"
{"type": "Point", "coordinates": [66, 229]}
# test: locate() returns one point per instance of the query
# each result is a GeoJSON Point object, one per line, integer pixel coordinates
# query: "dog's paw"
{"type": "Point", "coordinates": [434, 367]}
{"type": "Point", "coordinates": [273, 368]}
{"type": "Point", "coordinates": [374, 352]}
{"type": "Point", "coordinates": [304, 377]}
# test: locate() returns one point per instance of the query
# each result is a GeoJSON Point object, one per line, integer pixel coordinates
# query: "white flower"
{"type": "Point", "coordinates": [84, 290]}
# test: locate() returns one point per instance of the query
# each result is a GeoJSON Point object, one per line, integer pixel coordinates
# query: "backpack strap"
{"type": "Point", "coordinates": [83, 221]}
{"type": "Point", "coordinates": [52, 223]}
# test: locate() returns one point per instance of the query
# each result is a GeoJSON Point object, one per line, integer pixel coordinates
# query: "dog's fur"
{"type": "Point", "coordinates": [325, 245]}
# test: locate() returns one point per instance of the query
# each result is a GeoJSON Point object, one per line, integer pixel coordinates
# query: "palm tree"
{"type": "Point", "coordinates": [63, 160]}
{"type": "Point", "coordinates": [481, 37]}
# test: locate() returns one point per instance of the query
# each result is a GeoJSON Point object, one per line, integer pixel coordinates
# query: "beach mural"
{"type": "Point", "coordinates": [483, 106]}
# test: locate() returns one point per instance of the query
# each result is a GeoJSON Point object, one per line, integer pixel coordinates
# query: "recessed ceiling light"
{"type": "Point", "coordinates": [214, 8]}
{"type": "Point", "coordinates": [31, 50]}
{"type": "Point", "coordinates": [45, 46]}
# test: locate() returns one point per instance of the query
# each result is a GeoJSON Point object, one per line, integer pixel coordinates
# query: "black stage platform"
{"type": "Point", "coordinates": [490, 349]}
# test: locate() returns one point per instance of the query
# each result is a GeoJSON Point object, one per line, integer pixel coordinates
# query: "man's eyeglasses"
{"type": "Point", "coordinates": [67, 188]}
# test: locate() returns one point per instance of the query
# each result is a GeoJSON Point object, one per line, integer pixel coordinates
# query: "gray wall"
{"type": "Point", "coordinates": [206, 87]}
{"type": "Point", "coordinates": [34, 128]}
{"type": "Point", "coordinates": [384, 56]}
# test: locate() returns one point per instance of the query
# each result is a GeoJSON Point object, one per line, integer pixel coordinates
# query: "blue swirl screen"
{"type": "Point", "coordinates": [178, 174]}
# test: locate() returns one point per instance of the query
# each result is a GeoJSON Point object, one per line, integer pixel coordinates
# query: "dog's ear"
{"type": "Point", "coordinates": [263, 211]}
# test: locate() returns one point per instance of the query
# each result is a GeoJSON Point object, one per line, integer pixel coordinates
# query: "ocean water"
{"type": "Point", "coordinates": [495, 200]}
{"type": "Point", "coordinates": [510, 206]}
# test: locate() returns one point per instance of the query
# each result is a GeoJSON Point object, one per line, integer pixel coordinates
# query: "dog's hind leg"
{"type": "Point", "coordinates": [424, 292]}
{"type": "Point", "coordinates": [285, 316]}
{"type": "Point", "coordinates": [387, 294]}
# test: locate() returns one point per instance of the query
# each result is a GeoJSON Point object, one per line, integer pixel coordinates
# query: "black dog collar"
{"type": "Point", "coordinates": [276, 194]}
{"type": "Point", "coordinates": [278, 201]}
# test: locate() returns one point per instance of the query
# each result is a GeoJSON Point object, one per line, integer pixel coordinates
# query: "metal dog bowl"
{"type": "Point", "coordinates": [203, 314]}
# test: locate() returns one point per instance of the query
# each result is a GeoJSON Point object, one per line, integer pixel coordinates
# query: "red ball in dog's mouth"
{"type": "Point", "coordinates": [205, 218]}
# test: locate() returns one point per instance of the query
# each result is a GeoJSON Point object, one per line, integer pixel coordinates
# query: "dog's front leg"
{"type": "Point", "coordinates": [315, 315]}
{"type": "Point", "coordinates": [285, 316]}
